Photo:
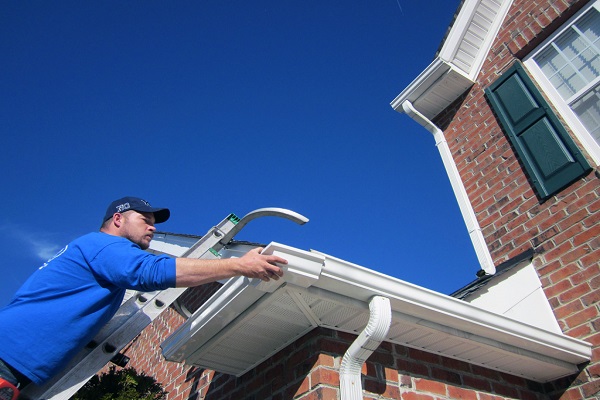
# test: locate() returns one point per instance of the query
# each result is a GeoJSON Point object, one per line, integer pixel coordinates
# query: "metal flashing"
{"type": "Point", "coordinates": [484, 279]}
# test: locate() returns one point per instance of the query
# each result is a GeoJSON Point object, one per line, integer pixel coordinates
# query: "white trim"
{"type": "Point", "coordinates": [466, 209]}
{"type": "Point", "coordinates": [465, 22]}
{"type": "Point", "coordinates": [565, 111]}
{"type": "Point", "coordinates": [435, 308]}
{"type": "Point", "coordinates": [515, 293]}
{"type": "Point", "coordinates": [460, 59]}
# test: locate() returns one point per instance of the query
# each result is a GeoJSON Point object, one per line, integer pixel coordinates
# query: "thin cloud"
{"type": "Point", "coordinates": [41, 245]}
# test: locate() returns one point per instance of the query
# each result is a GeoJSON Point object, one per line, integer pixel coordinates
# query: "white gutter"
{"type": "Point", "coordinates": [367, 342]}
{"type": "Point", "coordinates": [412, 303]}
{"type": "Point", "coordinates": [483, 255]}
{"type": "Point", "coordinates": [228, 333]}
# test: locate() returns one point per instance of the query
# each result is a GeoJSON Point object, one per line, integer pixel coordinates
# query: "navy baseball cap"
{"type": "Point", "coordinates": [136, 204]}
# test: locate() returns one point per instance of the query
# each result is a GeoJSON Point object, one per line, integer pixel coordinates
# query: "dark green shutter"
{"type": "Point", "coordinates": [550, 157]}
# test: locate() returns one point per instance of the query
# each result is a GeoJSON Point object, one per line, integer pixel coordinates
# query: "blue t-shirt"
{"type": "Point", "coordinates": [64, 304]}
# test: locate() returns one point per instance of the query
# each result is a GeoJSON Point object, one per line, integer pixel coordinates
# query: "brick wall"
{"type": "Point", "coordinates": [309, 370]}
{"type": "Point", "coordinates": [564, 231]}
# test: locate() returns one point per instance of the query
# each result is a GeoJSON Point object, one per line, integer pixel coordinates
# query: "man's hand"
{"type": "Point", "coordinates": [256, 265]}
{"type": "Point", "coordinates": [193, 272]}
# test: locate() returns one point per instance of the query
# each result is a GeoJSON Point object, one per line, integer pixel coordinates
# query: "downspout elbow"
{"type": "Point", "coordinates": [367, 342]}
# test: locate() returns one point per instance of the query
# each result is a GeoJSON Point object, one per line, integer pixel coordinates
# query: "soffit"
{"type": "Point", "coordinates": [459, 60]}
{"type": "Point", "coordinates": [248, 321]}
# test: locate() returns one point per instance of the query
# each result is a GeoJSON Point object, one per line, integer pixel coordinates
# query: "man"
{"type": "Point", "coordinates": [64, 304]}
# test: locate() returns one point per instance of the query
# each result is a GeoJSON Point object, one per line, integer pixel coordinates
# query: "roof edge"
{"type": "Point", "coordinates": [361, 283]}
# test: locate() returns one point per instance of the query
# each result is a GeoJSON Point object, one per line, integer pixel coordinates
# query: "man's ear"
{"type": "Point", "coordinates": [117, 219]}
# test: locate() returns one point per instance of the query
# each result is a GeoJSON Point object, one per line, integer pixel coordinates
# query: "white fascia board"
{"type": "Point", "coordinates": [361, 284]}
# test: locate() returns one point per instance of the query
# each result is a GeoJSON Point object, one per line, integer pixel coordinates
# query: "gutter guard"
{"type": "Point", "coordinates": [367, 342]}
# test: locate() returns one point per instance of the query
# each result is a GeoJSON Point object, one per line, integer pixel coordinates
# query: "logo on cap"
{"type": "Point", "coordinates": [123, 207]}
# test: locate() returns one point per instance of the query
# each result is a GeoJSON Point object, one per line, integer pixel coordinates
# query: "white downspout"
{"type": "Point", "coordinates": [483, 255]}
{"type": "Point", "coordinates": [369, 339]}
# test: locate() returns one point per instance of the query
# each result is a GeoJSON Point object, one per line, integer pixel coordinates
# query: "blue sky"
{"type": "Point", "coordinates": [218, 107]}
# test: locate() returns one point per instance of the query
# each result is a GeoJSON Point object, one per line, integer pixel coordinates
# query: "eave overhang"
{"type": "Point", "coordinates": [434, 89]}
{"type": "Point", "coordinates": [457, 64]}
{"type": "Point", "coordinates": [248, 321]}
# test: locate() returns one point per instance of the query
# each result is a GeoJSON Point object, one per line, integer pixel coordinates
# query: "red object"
{"type": "Point", "coordinates": [8, 391]}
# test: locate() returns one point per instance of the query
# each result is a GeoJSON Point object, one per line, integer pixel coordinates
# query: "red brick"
{"type": "Point", "coordinates": [546, 269]}
{"type": "Point", "coordinates": [582, 317]}
{"type": "Point", "coordinates": [324, 376]}
{"type": "Point", "coordinates": [419, 355]}
{"type": "Point", "coordinates": [382, 389]}
{"type": "Point", "coordinates": [581, 332]}
{"type": "Point", "coordinates": [591, 389]}
{"type": "Point", "coordinates": [574, 293]}
{"type": "Point", "coordinates": [558, 288]}
{"type": "Point", "coordinates": [323, 393]}
{"type": "Point", "coordinates": [485, 396]}
{"type": "Point", "coordinates": [587, 236]}
{"type": "Point", "coordinates": [414, 368]}
{"type": "Point", "coordinates": [558, 251]}
{"type": "Point", "coordinates": [576, 254]}
{"type": "Point", "coordinates": [456, 365]}
{"type": "Point", "coordinates": [460, 393]}
{"type": "Point", "coordinates": [591, 298]}
{"type": "Point", "coordinates": [568, 309]}
{"type": "Point", "coordinates": [505, 390]}
{"type": "Point", "coordinates": [564, 272]}
{"type": "Point", "coordinates": [415, 396]}
{"type": "Point", "coordinates": [591, 258]}
{"type": "Point", "coordinates": [426, 385]}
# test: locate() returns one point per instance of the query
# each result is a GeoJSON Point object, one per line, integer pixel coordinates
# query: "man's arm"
{"type": "Point", "coordinates": [193, 272]}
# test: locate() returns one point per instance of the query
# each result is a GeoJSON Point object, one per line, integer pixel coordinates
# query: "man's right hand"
{"type": "Point", "coordinates": [194, 272]}
{"type": "Point", "coordinates": [256, 265]}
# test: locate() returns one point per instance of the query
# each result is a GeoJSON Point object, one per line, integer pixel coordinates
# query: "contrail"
{"type": "Point", "coordinates": [400, 7]}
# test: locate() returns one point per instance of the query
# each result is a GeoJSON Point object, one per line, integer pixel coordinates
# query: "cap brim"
{"type": "Point", "coordinates": [161, 215]}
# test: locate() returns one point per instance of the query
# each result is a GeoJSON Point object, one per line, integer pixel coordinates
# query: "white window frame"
{"type": "Point", "coordinates": [565, 111]}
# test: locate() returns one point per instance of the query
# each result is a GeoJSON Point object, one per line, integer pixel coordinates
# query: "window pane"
{"type": "Point", "coordinates": [588, 57]}
{"type": "Point", "coordinates": [572, 61]}
{"type": "Point", "coordinates": [554, 65]}
{"type": "Point", "coordinates": [588, 111]}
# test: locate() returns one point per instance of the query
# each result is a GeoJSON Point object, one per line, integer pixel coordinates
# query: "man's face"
{"type": "Point", "coordinates": [138, 227]}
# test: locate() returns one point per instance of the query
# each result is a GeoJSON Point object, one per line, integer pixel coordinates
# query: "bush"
{"type": "Point", "coordinates": [125, 384]}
